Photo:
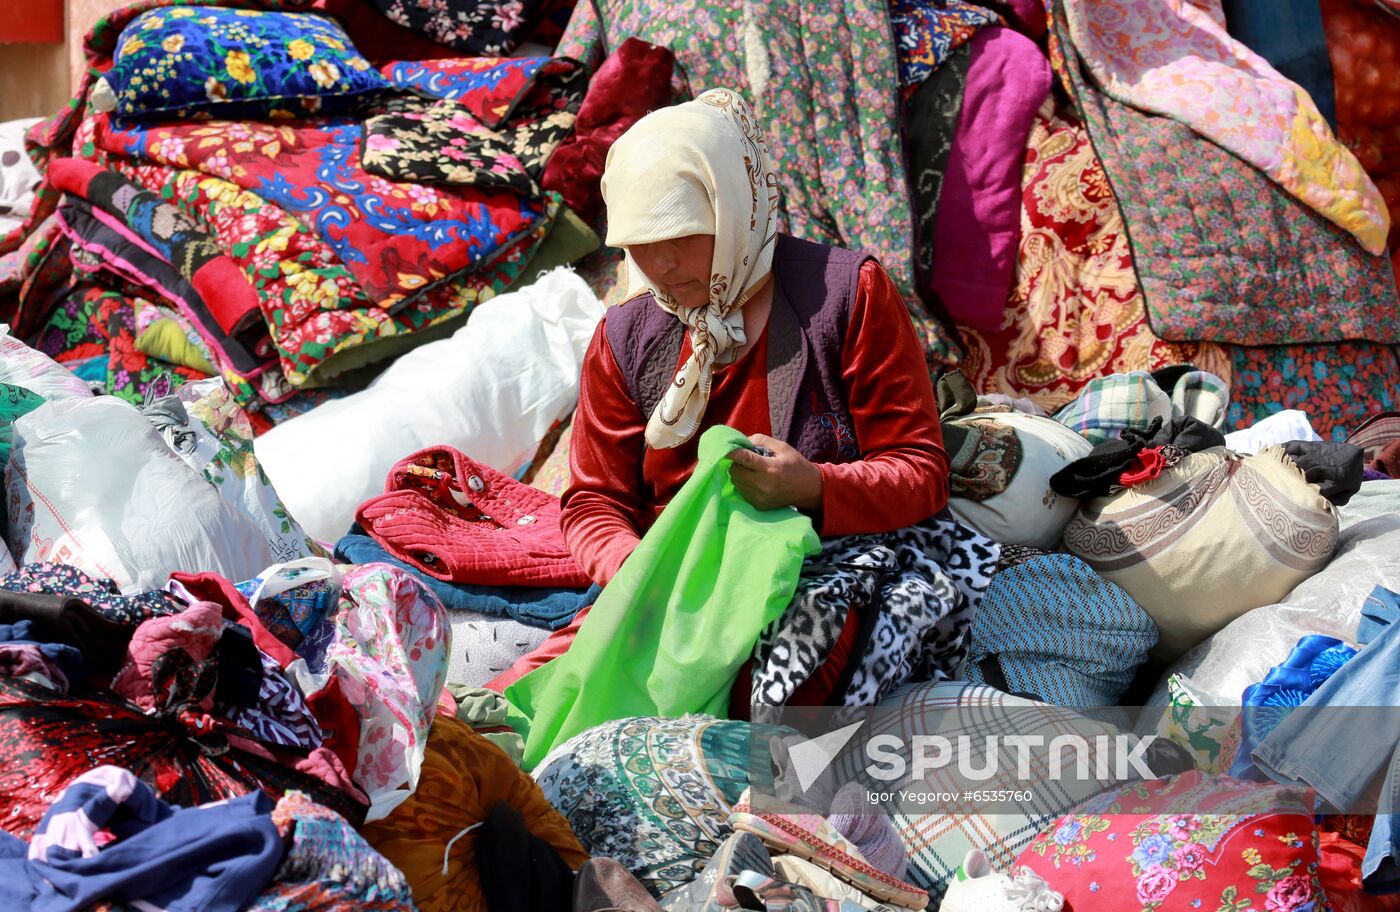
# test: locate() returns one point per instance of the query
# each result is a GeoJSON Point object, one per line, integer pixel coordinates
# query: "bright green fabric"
{"type": "Point", "coordinates": [166, 340]}
{"type": "Point", "coordinates": [671, 630]}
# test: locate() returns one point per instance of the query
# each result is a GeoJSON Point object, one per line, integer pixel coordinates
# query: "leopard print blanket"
{"type": "Point", "coordinates": [918, 587]}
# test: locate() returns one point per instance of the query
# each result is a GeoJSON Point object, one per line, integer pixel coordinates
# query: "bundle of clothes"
{"type": "Point", "coordinates": [276, 512]}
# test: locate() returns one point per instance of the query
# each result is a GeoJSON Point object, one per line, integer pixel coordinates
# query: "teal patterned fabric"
{"type": "Point", "coordinates": [205, 61]}
{"type": "Point", "coordinates": [655, 794]}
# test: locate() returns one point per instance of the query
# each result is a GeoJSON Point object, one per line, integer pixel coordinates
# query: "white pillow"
{"type": "Point", "coordinates": [492, 390]}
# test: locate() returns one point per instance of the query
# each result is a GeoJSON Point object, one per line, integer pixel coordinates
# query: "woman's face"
{"type": "Point", "coordinates": [680, 267]}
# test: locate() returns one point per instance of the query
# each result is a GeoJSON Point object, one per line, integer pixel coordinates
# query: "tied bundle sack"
{"type": "Point", "coordinates": [1201, 541]}
{"type": "Point", "coordinates": [493, 390]}
{"type": "Point", "coordinates": [1000, 465]}
{"type": "Point", "coordinates": [92, 483]}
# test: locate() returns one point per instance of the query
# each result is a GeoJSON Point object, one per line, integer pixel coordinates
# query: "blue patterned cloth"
{"type": "Point", "coordinates": [203, 61]}
{"type": "Point", "coordinates": [1053, 628]}
{"type": "Point", "coordinates": [1287, 686]}
{"type": "Point", "coordinates": [926, 32]}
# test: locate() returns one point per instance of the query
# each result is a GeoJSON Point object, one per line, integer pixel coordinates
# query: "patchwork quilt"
{"type": "Point", "coordinates": [1171, 58]}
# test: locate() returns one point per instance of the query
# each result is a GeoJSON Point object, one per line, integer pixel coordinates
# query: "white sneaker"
{"type": "Point", "coordinates": [977, 888]}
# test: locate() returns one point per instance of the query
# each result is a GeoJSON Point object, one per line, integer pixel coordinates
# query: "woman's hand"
{"type": "Point", "coordinates": [785, 479]}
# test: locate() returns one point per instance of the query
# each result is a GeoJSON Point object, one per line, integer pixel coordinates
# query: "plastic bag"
{"type": "Point", "coordinates": [1328, 603]}
{"type": "Point", "coordinates": [672, 628]}
{"type": "Point", "coordinates": [91, 483]}
{"type": "Point", "coordinates": [294, 600]}
{"type": "Point", "coordinates": [492, 390]}
{"type": "Point", "coordinates": [205, 427]}
{"type": "Point", "coordinates": [23, 366]}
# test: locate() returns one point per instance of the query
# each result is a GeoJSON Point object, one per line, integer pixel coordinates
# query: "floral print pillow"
{"type": "Point", "coordinates": [478, 28]}
{"type": "Point", "coordinates": [204, 61]}
{"type": "Point", "coordinates": [1191, 842]}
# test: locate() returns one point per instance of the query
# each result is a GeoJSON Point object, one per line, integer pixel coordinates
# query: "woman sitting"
{"type": "Point", "coordinates": [805, 348]}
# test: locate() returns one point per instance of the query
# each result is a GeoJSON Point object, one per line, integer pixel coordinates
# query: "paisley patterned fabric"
{"type": "Point", "coordinates": [1075, 312]}
{"type": "Point", "coordinates": [486, 28]}
{"type": "Point", "coordinates": [1168, 57]}
{"type": "Point", "coordinates": [826, 96]}
{"type": "Point", "coordinates": [206, 61]}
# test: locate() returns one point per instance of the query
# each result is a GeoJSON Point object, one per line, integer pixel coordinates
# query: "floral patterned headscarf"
{"type": "Point", "coordinates": [697, 168]}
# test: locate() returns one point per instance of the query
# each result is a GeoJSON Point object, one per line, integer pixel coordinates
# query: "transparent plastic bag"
{"type": "Point", "coordinates": [91, 483]}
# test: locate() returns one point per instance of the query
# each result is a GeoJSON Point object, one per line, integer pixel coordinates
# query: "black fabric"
{"type": "Point", "coordinates": [956, 395]}
{"type": "Point", "coordinates": [1289, 34]}
{"type": "Point", "coordinates": [1097, 473]}
{"type": "Point", "coordinates": [477, 28]}
{"type": "Point", "coordinates": [519, 871]}
{"type": "Point", "coordinates": [70, 620]}
{"type": "Point", "coordinates": [240, 667]}
{"type": "Point", "coordinates": [930, 124]}
{"type": "Point", "coordinates": [1336, 468]}
{"type": "Point", "coordinates": [1167, 758]}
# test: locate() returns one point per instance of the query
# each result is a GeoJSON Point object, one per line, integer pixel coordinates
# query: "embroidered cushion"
{"type": "Point", "coordinates": [1210, 538]}
{"type": "Point", "coordinates": [1183, 844]}
{"type": "Point", "coordinates": [1001, 477]}
{"type": "Point", "coordinates": [478, 28]}
{"type": "Point", "coordinates": [205, 61]}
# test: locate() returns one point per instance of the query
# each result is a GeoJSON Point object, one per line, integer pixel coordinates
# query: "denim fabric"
{"type": "Point", "coordinates": [1381, 609]}
{"type": "Point", "coordinates": [1343, 754]}
{"type": "Point", "coordinates": [1380, 869]}
{"type": "Point", "coordinates": [549, 609]}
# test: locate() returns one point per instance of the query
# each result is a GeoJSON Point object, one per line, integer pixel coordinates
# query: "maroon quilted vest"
{"type": "Point", "coordinates": [815, 286]}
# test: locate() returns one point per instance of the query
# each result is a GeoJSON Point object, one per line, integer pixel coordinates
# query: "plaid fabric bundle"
{"type": "Point", "coordinates": [1109, 404]}
{"type": "Point", "coordinates": [938, 837]}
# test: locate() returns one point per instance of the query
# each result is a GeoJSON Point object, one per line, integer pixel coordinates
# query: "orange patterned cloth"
{"type": "Point", "coordinates": [1075, 312]}
{"type": "Point", "coordinates": [463, 777]}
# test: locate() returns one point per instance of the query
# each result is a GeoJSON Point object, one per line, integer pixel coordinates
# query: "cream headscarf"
{"type": "Point", "coordinates": [697, 168]}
